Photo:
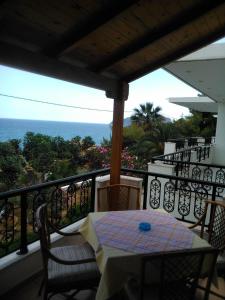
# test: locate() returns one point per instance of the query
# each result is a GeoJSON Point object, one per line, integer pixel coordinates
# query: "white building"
{"type": "Point", "coordinates": [204, 70]}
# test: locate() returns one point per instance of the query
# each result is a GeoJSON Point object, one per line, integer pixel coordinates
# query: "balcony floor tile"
{"type": "Point", "coordinates": [29, 290]}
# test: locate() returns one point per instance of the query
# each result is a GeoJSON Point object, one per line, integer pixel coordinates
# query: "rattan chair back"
{"type": "Point", "coordinates": [66, 268]}
{"type": "Point", "coordinates": [179, 273]}
{"type": "Point", "coordinates": [44, 234]}
{"type": "Point", "coordinates": [118, 197]}
{"type": "Point", "coordinates": [216, 235]}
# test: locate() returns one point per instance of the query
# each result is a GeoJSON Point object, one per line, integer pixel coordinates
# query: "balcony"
{"type": "Point", "coordinates": [74, 50]}
{"type": "Point", "coordinates": [181, 185]}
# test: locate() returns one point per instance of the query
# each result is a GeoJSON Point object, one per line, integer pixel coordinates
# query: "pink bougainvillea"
{"type": "Point", "coordinates": [104, 154]}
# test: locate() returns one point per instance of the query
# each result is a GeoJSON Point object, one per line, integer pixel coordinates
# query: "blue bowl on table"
{"type": "Point", "coordinates": [144, 226]}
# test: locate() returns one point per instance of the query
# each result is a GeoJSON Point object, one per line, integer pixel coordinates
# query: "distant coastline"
{"type": "Point", "coordinates": [17, 128]}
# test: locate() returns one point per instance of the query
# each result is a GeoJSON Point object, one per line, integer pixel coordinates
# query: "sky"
{"type": "Point", "coordinates": [155, 87]}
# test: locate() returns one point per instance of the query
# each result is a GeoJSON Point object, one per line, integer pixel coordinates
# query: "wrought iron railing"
{"type": "Point", "coordinates": [72, 198]}
{"type": "Point", "coordinates": [200, 171]}
{"type": "Point", "coordinates": [69, 200]}
{"type": "Point", "coordinates": [196, 170]}
{"type": "Point", "coordinates": [182, 143]}
{"type": "Point", "coordinates": [184, 155]}
{"type": "Point", "coordinates": [183, 197]}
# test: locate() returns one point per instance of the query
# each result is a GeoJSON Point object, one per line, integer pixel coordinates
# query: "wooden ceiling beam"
{"type": "Point", "coordinates": [155, 35]}
{"type": "Point", "coordinates": [210, 38]}
{"type": "Point", "coordinates": [17, 57]}
{"type": "Point", "coordinates": [79, 31]}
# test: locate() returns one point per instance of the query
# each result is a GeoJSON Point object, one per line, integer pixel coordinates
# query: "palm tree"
{"type": "Point", "coordinates": [147, 116]}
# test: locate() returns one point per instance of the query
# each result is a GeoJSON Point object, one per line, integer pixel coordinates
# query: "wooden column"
{"type": "Point", "coordinates": [117, 140]}
{"type": "Point", "coordinates": [117, 132]}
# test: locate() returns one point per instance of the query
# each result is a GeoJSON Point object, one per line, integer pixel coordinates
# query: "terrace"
{"type": "Point", "coordinates": [96, 45]}
{"type": "Point", "coordinates": [181, 191]}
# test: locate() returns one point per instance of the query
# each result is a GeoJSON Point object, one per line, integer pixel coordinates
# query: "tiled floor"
{"type": "Point", "coordinates": [29, 291]}
{"type": "Point", "coordinates": [220, 289]}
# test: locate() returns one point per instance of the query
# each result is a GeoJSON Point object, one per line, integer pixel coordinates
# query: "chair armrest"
{"type": "Point", "coordinates": [61, 232]}
{"type": "Point", "coordinates": [197, 223]}
{"type": "Point", "coordinates": [68, 262]}
{"type": "Point", "coordinates": [211, 292]}
{"type": "Point", "coordinates": [222, 248]}
{"type": "Point", "coordinates": [200, 222]}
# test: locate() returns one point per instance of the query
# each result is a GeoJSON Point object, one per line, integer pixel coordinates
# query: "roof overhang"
{"type": "Point", "coordinates": [204, 70]}
{"type": "Point", "coordinates": [105, 44]}
{"type": "Point", "coordinates": [202, 104]}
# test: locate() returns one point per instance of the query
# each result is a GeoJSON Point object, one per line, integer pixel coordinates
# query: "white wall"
{"type": "Point", "coordinates": [219, 150]}
{"type": "Point", "coordinates": [169, 147]}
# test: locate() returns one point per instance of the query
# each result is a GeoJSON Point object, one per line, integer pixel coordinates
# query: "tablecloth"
{"type": "Point", "coordinates": [114, 236]}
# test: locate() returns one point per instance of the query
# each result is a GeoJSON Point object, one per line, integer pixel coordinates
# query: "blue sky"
{"type": "Point", "coordinates": [155, 87]}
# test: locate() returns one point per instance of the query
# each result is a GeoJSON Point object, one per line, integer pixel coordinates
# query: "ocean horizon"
{"type": "Point", "coordinates": [17, 128]}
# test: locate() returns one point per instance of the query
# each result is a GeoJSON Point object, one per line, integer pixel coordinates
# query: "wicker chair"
{"type": "Point", "coordinates": [65, 268]}
{"type": "Point", "coordinates": [175, 275]}
{"type": "Point", "coordinates": [215, 234]}
{"type": "Point", "coordinates": [216, 229]}
{"type": "Point", "coordinates": [118, 197]}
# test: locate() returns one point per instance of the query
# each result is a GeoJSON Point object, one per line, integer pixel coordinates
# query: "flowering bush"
{"type": "Point", "coordinates": [103, 155]}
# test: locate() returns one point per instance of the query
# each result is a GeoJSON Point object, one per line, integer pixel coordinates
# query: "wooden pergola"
{"type": "Point", "coordinates": [105, 44]}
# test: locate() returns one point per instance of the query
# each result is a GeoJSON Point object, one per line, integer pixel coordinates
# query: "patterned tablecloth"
{"type": "Point", "coordinates": [121, 230]}
{"type": "Point", "coordinates": [119, 243]}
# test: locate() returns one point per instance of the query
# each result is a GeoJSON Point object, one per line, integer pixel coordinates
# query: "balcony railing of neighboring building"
{"type": "Point", "coordinates": [183, 197]}
{"type": "Point", "coordinates": [199, 171]}
{"type": "Point", "coordinates": [182, 143]}
{"type": "Point", "coordinates": [202, 152]}
{"type": "Point", "coordinates": [71, 199]}
{"type": "Point", "coordinates": [195, 169]}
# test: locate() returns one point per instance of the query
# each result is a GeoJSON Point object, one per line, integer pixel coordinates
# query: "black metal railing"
{"type": "Point", "coordinates": [200, 171]}
{"type": "Point", "coordinates": [184, 167]}
{"type": "Point", "coordinates": [183, 197]}
{"type": "Point", "coordinates": [202, 153]}
{"type": "Point", "coordinates": [181, 143]}
{"type": "Point", "coordinates": [69, 200]}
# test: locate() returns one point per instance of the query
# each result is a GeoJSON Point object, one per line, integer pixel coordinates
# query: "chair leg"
{"type": "Point", "coordinates": [45, 297]}
{"type": "Point", "coordinates": [41, 287]}
{"type": "Point", "coordinates": [70, 296]}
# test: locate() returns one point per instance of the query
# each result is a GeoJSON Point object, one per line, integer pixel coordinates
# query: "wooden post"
{"type": "Point", "coordinates": [117, 133]}
{"type": "Point", "coordinates": [117, 140]}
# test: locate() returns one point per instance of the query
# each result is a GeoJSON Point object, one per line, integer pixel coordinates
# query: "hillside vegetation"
{"type": "Point", "coordinates": [39, 158]}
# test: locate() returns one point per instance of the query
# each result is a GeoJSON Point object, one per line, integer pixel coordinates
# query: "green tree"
{"type": "Point", "coordinates": [61, 169]}
{"type": "Point", "coordinates": [61, 147]}
{"type": "Point", "coordinates": [16, 145]}
{"type": "Point", "coordinates": [76, 140]}
{"type": "Point", "coordinates": [29, 176]}
{"type": "Point", "coordinates": [131, 135]}
{"type": "Point", "coordinates": [197, 124]}
{"type": "Point", "coordinates": [11, 166]}
{"type": "Point", "coordinates": [147, 116]}
{"type": "Point", "coordinates": [164, 131]}
{"type": "Point", "coordinates": [75, 151]}
{"type": "Point", "coordinates": [38, 151]}
{"type": "Point", "coordinates": [87, 142]}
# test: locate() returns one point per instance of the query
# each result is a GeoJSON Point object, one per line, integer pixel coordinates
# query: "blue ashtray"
{"type": "Point", "coordinates": [144, 226]}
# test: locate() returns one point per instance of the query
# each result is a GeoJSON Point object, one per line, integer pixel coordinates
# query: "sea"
{"type": "Point", "coordinates": [16, 129]}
